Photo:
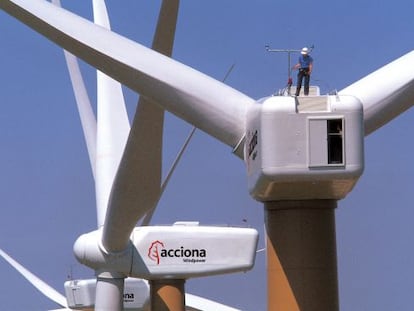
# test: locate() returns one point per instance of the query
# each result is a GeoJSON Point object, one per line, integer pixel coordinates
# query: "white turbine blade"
{"type": "Point", "coordinates": [210, 105]}
{"type": "Point", "coordinates": [385, 93]}
{"type": "Point", "coordinates": [163, 42]}
{"type": "Point", "coordinates": [108, 138]}
{"type": "Point", "coordinates": [113, 126]}
{"type": "Point", "coordinates": [40, 285]}
{"type": "Point", "coordinates": [136, 188]}
{"type": "Point", "coordinates": [86, 113]}
{"type": "Point", "coordinates": [137, 183]}
{"type": "Point", "coordinates": [196, 303]}
{"type": "Point", "coordinates": [83, 103]}
{"type": "Point", "coordinates": [100, 14]}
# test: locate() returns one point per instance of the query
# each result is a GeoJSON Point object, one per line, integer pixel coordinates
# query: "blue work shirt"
{"type": "Point", "coordinates": [305, 61]}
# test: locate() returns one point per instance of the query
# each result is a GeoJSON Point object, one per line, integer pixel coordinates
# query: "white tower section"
{"type": "Point", "coordinates": [301, 148]}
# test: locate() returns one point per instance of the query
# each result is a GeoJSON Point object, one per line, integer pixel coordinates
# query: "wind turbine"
{"type": "Point", "coordinates": [133, 177]}
{"type": "Point", "coordinates": [405, 79]}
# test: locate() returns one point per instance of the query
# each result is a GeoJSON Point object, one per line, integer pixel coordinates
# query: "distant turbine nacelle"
{"type": "Point", "coordinates": [301, 148]}
{"type": "Point", "coordinates": [179, 251]}
{"type": "Point", "coordinates": [80, 294]}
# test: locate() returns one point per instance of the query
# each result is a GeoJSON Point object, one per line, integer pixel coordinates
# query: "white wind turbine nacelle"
{"type": "Point", "coordinates": [304, 148]}
{"type": "Point", "coordinates": [180, 251]}
{"type": "Point", "coordinates": [81, 296]}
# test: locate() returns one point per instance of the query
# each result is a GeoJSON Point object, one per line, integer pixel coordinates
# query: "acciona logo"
{"type": "Point", "coordinates": [158, 250]}
{"type": "Point", "coordinates": [129, 297]}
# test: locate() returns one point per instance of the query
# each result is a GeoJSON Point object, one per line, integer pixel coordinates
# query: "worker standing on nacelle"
{"type": "Point", "coordinates": [305, 65]}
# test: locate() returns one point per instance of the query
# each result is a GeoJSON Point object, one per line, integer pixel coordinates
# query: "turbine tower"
{"type": "Point", "coordinates": [301, 154]}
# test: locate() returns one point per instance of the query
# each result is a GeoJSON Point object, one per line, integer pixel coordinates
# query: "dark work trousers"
{"type": "Point", "coordinates": [303, 73]}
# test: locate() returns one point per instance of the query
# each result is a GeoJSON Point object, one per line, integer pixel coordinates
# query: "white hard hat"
{"type": "Point", "coordinates": [304, 51]}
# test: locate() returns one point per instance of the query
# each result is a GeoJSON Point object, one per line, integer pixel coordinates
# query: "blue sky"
{"type": "Point", "coordinates": [46, 184]}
